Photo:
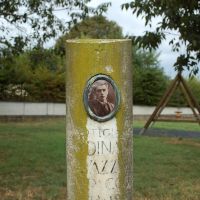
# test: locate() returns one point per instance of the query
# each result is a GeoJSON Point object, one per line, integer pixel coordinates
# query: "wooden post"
{"type": "Point", "coordinates": [99, 139]}
{"type": "Point", "coordinates": [177, 82]}
{"type": "Point", "coordinates": [160, 105]}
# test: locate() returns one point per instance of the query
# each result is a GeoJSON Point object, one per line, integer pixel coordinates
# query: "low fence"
{"type": "Point", "coordinates": [32, 109]}
{"type": "Point", "coordinates": [59, 109]}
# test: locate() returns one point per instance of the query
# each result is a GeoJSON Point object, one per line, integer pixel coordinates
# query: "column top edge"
{"type": "Point", "coordinates": [97, 40]}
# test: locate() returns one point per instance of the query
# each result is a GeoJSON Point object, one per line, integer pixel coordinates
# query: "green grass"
{"type": "Point", "coordinates": [33, 167]}
{"type": "Point", "coordinates": [166, 168]}
{"type": "Point", "coordinates": [170, 125]}
{"type": "Point", "coordinates": [32, 157]}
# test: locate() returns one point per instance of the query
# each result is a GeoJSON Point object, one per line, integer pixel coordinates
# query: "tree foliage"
{"type": "Point", "coordinates": [39, 74]}
{"type": "Point", "coordinates": [194, 85]}
{"type": "Point", "coordinates": [181, 16]}
{"type": "Point", "coordinates": [46, 86]}
{"type": "Point", "coordinates": [36, 75]}
{"type": "Point", "coordinates": [149, 81]}
{"type": "Point", "coordinates": [97, 27]}
{"type": "Point", "coordinates": [36, 19]}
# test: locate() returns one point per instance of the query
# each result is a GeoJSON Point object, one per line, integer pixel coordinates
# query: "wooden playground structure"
{"type": "Point", "coordinates": [189, 97]}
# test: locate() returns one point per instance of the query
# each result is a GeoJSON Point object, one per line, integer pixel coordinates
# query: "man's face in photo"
{"type": "Point", "coordinates": [102, 92]}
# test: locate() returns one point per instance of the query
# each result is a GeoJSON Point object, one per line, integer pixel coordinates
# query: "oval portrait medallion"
{"type": "Point", "coordinates": [101, 98]}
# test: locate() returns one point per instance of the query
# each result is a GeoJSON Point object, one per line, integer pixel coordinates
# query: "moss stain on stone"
{"type": "Point", "coordinates": [86, 59]}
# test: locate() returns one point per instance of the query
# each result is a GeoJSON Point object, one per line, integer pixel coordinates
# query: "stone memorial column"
{"type": "Point", "coordinates": [99, 120]}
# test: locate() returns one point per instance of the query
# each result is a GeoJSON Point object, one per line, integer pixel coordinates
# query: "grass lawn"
{"type": "Point", "coordinates": [33, 167]}
{"type": "Point", "coordinates": [170, 125]}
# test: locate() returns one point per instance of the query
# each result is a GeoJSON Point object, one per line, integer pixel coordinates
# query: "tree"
{"type": "Point", "coordinates": [194, 85]}
{"type": "Point", "coordinates": [46, 85]}
{"type": "Point", "coordinates": [43, 57]}
{"type": "Point", "coordinates": [149, 81]}
{"type": "Point", "coordinates": [97, 27]}
{"type": "Point", "coordinates": [180, 16]}
{"type": "Point", "coordinates": [35, 75]}
{"type": "Point", "coordinates": [36, 19]}
{"type": "Point", "coordinates": [42, 71]}
{"type": "Point", "coordinates": [15, 73]}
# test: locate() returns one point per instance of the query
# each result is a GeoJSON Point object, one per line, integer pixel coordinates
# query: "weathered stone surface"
{"type": "Point", "coordinates": [99, 154]}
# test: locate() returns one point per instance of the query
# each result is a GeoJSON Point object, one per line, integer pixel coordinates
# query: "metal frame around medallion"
{"type": "Point", "coordinates": [86, 92]}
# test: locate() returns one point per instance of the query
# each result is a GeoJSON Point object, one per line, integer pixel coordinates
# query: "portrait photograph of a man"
{"type": "Point", "coordinates": [101, 98]}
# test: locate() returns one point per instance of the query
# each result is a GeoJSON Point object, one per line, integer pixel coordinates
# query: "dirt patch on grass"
{"type": "Point", "coordinates": [183, 191]}
{"type": "Point", "coordinates": [29, 194]}
{"type": "Point", "coordinates": [184, 142]}
{"type": "Point", "coordinates": [33, 193]}
{"type": "Point", "coordinates": [3, 157]}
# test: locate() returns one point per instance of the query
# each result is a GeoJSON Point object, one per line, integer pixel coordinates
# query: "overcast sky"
{"type": "Point", "coordinates": [132, 25]}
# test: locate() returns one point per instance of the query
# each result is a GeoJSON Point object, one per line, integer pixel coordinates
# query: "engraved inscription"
{"type": "Point", "coordinates": [98, 197]}
{"type": "Point", "coordinates": [103, 169]}
{"type": "Point", "coordinates": [104, 166]}
{"type": "Point", "coordinates": [101, 147]}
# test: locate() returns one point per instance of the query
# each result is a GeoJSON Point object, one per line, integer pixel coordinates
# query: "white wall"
{"type": "Point", "coordinates": [148, 110]}
{"type": "Point", "coordinates": [26, 109]}
{"type": "Point", "coordinates": [59, 109]}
